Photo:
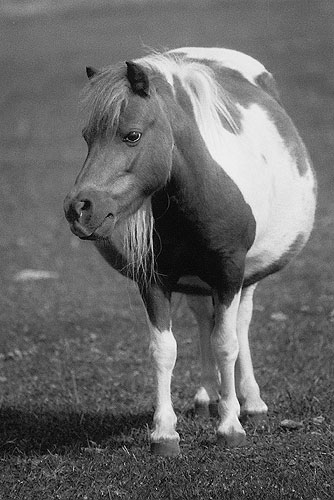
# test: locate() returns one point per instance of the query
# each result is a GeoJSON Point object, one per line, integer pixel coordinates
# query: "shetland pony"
{"type": "Point", "coordinates": [195, 181]}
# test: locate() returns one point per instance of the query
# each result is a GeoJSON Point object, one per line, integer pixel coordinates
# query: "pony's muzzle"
{"type": "Point", "coordinates": [82, 214]}
{"type": "Point", "coordinates": [78, 208]}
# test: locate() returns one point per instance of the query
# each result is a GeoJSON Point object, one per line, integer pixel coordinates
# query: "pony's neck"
{"type": "Point", "coordinates": [196, 179]}
{"type": "Point", "coordinates": [206, 197]}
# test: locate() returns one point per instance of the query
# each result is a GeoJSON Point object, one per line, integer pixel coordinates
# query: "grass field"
{"type": "Point", "coordinates": [75, 378]}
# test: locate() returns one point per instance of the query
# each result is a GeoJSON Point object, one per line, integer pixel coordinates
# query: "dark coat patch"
{"type": "Point", "coordinates": [203, 225]}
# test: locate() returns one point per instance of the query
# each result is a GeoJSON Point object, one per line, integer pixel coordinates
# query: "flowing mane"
{"type": "Point", "coordinates": [210, 101]}
{"type": "Point", "coordinates": [106, 96]}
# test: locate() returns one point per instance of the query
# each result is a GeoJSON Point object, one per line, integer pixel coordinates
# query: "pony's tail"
{"type": "Point", "coordinates": [138, 244]}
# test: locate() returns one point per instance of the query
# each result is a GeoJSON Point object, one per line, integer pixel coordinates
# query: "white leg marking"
{"type": "Point", "coordinates": [202, 309]}
{"type": "Point", "coordinates": [225, 346]}
{"type": "Point", "coordinates": [163, 350]}
{"type": "Point", "coordinates": [247, 388]}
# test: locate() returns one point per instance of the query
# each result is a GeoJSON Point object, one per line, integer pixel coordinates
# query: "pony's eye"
{"type": "Point", "coordinates": [132, 137]}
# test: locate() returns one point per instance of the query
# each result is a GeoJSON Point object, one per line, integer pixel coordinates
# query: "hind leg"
{"type": "Point", "coordinates": [224, 343]}
{"type": "Point", "coordinates": [208, 393]}
{"type": "Point", "coordinates": [247, 388]}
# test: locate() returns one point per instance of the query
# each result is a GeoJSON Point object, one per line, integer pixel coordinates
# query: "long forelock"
{"type": "Point", "coordinates": [104, 98]}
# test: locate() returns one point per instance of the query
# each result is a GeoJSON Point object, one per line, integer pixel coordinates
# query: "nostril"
{"type": "Point", "coordinates": [86, 205]}
{"type": "Point", "coordinates": [78, 209]}
{"type": "Point", "coordinates": [83, 206]}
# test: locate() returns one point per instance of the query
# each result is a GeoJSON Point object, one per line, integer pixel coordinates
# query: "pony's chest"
{"type": "Point", "coordinates": [182, 250]}
{"type": "Point", "coordinates": [195, 236]}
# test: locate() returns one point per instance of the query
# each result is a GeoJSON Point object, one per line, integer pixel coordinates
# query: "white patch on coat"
{"type": "Point", "coordinates": [282, 200]}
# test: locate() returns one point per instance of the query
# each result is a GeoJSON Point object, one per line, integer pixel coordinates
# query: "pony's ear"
{"type": "Point", "coordinates": [91, 72]}
{"type": "Point", "coordinates": [138, 79]}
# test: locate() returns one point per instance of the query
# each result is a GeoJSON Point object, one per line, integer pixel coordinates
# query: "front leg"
{"type": "Point", "coordinates": [164, 438]}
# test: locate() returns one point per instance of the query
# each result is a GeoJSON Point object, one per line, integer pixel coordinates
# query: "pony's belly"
{"type": "Point", "coordinates": [284, 233]}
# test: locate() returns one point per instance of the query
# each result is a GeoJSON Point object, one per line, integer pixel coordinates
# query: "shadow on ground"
{"type": "Point", "coordinates": [40, 432]}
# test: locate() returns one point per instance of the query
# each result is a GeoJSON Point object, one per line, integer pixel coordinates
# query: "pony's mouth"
{"type": "Point", "coordinates": [85, 233]}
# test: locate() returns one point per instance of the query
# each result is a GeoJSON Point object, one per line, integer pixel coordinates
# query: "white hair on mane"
{"type": "Point", "coordinates": [210, 101]}
{"type": "Point", "coordinates": [138, 243]}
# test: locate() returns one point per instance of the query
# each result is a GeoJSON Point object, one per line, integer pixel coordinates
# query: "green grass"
{"type": "Point", "coordinates": [75, 379]}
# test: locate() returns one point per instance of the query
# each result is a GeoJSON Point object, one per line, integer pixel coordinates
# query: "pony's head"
{"type": "Point", "coordinates": [130, 144]}
{"type": "Point", "coordinates": [129, 157]}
